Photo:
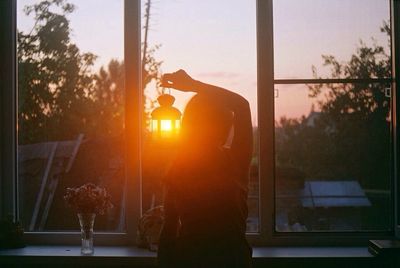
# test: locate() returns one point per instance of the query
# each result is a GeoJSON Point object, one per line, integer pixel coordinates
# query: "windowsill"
{"type": "Point", "coordinates": [120, 256]}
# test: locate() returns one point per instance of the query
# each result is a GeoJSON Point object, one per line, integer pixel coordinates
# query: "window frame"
{"type": "Point", "coordinates": [265, 94]}
{"type": "Point", "coordinates": [395, 14]}
{"type": "Point", "coordinates": [8, 108]}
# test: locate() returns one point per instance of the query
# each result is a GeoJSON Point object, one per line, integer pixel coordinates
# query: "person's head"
{"type": "Point", "coordinates": [206, 123]}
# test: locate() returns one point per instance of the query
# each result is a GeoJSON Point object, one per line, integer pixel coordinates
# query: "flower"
{"type": "Point", "coordinates": [89, 198]}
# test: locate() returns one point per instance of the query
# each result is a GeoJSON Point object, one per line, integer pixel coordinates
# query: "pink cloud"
{"type": "Point", "coordinates": [224, 75]}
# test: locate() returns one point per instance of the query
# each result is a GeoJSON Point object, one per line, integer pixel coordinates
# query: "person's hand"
{"type": "Point", "coordinates": [179, 80]}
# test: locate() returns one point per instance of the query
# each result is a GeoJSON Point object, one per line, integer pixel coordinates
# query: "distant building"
{"type": "Point", "coordinates": [333, 194]}
{"type": "Point", "coordinates": [322, 205]}
{"type": "Point", "coordinates": [311, 118]}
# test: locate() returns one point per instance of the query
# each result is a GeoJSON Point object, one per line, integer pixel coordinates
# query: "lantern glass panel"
{"type": "Point", "coordinates": [154, 125]}
{"type": "Point", "coordinates": [177, 126]}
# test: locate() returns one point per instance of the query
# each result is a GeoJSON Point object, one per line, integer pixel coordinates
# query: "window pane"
{"type": "Point", "coordinates": [214, 44]}
{"type": "Point", "coordinates": [333, 153]}
{"type": "Point", "coordinates": [70, 109]}
{"type": "Point", "coordinates": [306, 30]}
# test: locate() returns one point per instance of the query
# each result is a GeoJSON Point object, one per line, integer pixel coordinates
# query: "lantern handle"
{"type": "Point", "coordinates": [163, 89]}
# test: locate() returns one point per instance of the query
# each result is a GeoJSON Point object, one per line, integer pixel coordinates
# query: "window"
{"type": "Point", "coordinates": [216, 45]}
{"type": "Point", "coordinates": [333, 139]}
{"type": "Point", "coordinates": [71, 112]}
{"type": "Point", "coordinates": [316, 72]}
{"type": "Point", "coordinates": [324, 127]}
{"type": "Point", "coordinates": [332, 163]}
{"type": "Point", "coordinates": [73, 125]}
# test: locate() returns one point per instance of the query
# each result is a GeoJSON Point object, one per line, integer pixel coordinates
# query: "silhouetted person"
{"type": "Point", "coordinates": [206, 187]}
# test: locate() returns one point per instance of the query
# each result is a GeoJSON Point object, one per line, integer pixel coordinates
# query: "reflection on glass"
{"type": "Point", "coordinates": [332, 145]}
{"type": "Point", "coordinates": [71, 109]}
{"type": "Point", "coordinates": [304, 30]}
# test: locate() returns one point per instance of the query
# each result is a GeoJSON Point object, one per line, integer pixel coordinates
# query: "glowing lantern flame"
{"type": "Point", "coordinates": [166, 125]}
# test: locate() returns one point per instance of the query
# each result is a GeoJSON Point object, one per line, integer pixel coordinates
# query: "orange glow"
{"type": "Point", "coordinates": [165, 128]}
{"type": "Point", "coordinates": [166, 125]}
{"type": "Point", "coordinates": [154, 125]}
{"type": "Point", "coordinates": [177, 125]}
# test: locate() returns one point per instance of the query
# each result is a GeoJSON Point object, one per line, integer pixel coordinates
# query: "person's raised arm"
{"type": "Point", "coordinates": [241, 147]}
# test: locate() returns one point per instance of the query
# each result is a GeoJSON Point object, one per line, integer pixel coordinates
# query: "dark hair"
{"type": "Point", "coordinates": [205, 121]}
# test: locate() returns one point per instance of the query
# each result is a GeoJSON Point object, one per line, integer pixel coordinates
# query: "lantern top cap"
{"type": "Point", "coordinates": [166, 100]}
{"type": "Point", "coordinates": [166, 110]}
{"type": "Point", "coordinates": [166, 113]}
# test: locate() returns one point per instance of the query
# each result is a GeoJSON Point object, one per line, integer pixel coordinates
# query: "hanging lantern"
{"type": "Point", "coordinates": [166, 119]}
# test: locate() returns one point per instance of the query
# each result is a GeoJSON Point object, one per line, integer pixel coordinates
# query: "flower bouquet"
{"type": "Point", "coordinates": [87, 201]}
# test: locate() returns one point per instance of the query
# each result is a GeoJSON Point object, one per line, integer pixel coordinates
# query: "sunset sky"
{"type": "Point", "coordinates": [215, 40]}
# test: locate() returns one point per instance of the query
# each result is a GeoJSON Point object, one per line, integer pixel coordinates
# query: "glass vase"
{"type": "Point", "coordinates": [86, 221]}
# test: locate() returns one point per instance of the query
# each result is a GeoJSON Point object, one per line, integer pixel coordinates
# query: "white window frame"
{"type": "Point", "coordinates": [265, 92]}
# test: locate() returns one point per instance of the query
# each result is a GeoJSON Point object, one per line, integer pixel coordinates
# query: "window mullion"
{"type": "Point", "coordinates": [265, 77]}
{"type": "Point", "coordinates": [395, 20]}
{"type": "Point", "coordinates": [333, 81]}
{"type": "Point", "coordinates": [8, 190]}
{"type": "Point", "coordinates": [133, 105]}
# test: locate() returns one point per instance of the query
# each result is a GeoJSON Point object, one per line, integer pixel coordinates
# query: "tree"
{"type": "Point", "coordinates": [350, 138]}
{"type": "Point", "coordinates": [55, 79]}
{"type": "Point", "coordinates": [60, 95]}
{"type": "Point", "coordinates": [109, 98]}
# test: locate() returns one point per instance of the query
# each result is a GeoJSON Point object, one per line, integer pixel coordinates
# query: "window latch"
{"type": "Point", "coordinates": [276, 93]}
{"type": "Point", "coordinates": [388, 92]}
